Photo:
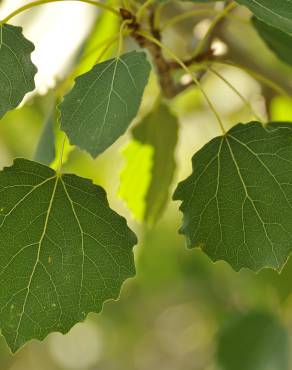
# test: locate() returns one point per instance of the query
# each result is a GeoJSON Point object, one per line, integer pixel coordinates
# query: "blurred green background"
{"type": "Point", "coordinates": [181, 312]}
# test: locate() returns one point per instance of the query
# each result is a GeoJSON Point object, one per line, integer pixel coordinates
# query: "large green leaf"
{"type": "Point", "coordinates": [150, 166]}
{"type": "Point", "coordinates": [237, 204]}
{"type": "Point", "coordinates": [63, 251]}
{"type": "Point", "coordinates": [104, 101]}
{"type": "Point", "coordinates": [254, 341]}
{"type": "Point", "coordinates": [16, 68]}
{"type": "Point", "coordinates": [279, 42]}
{"type": "Point", "coordinates": [277, 13]}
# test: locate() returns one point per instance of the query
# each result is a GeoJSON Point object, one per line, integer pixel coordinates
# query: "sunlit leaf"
{"type": "Point", "coordinates": [237, 204]}
{"type": "Point", "coordinates": [150, 164]}
{"type": "Point", "coordinates": [281, 108]}
{"type": "Point", "coordinates": [104, 101]}
{"type": "Point", "coordinates": [16, 68]}
{"type": "Point", "coordinates": [63, 251]}
{"type": "Point", "coordinates": [136, 177]}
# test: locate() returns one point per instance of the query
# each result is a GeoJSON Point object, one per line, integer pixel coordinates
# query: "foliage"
{"type": "Point", "coordinates": [64, 251]}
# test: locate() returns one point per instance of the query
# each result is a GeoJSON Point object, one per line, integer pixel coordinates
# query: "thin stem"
{"type": "Point", "coordinates": [261, 78]}
{"type": "Point", "coordinates": [125, 4]}
{"type": "Point", "coordinates": [213, 24]}
{"type": "Point", "coordinates": [157, 15]}
{"type": "Point", "coordinates": [106, 44]}
{"type": "Point", "coordinates": [121, 37]}
{"type": "Point", "coordinates": [129, 5]}
{"type": "Point", "coordinates": [188, 71]}
{"type": "Point", "coordinates": [181, 17]}
{"type": "Point", "coordinates": [142, 10]}
{"type": "Point", "coordinates": [106, 47]}
{"type": "Point", "coordinates": [41, 2]}
{"type": "Point", "coordinates": [59, 169]}
{"type": "Point", "coordinates": [237, 18]}
{"type": "Point", "coordinates": [237, 92]}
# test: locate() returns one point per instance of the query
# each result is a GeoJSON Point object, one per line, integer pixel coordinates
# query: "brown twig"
{"type": "Point", "coordinates": [164, 67]}
{"type": "Point", "coordinates": [164, 71]}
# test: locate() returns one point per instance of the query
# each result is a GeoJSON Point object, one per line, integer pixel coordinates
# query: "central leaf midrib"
{"type": "Point", "coordinates": [108, 103]}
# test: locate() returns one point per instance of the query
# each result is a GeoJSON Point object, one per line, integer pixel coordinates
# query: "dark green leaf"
{"type": "Point", "coordinates": [16, 69]}
{"type": "Point", "coordinates": [279, 42]}
{"type": "Point", "coordinates": [275, 13]}
{"type": "Point", "coordinates": [63, 251]}
{"type": "Point", "coordinates": [255, 341]}
{"type": "Point", "coordinates": [156, 134]}
{"type": "Point", "coordinates": [237, 204]}
{"type": "Point", "coordinates": [104, 101]}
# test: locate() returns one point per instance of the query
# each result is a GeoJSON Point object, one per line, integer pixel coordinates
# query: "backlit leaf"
{"type": "Point", "coordinates": [149, 171]}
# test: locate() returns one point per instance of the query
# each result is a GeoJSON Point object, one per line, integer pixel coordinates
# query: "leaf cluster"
{"type": "Point", "coordinates": [64, 251]}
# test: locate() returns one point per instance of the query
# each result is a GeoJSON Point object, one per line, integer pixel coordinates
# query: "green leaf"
{"type": "Point", "coordinates": [148, 174]}
{"type": "Point", "coordinates": [275, 13]}
{"type": "Point", "coordinates": [63, 251]}
{"type": "Point", "coordinates": [16, 68]}
{"type": "Point", "coordinates": [136, 177]}
{"type": "Point", "coordinates": [104, 101]}
{"type": "Point", "coordinates": [254, 341]}
{"type": "Point", "coordinates": [237, 204]}
{"type": "Point", "coordinates": [46, 152]}
{"type": "Point", "coordinates": [281, 108]}
{"type": "Point", "coordinates": [279, 42]}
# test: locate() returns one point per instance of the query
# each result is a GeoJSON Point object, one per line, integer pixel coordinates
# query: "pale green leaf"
{"type": "Point", "coordinates": [277, 13]}
{"type": "Point", "coordinates": [104, 101]}
{"type": "Point", "coordinates": [254, 341]}
{"type": "Point", "coordinates": [156, 136]}
{"type": "Point", "coordinates": [16, 68]}
{"type": "Point", "coordinates": [237, 204]}
{"type": "Point", "coordinates": [136, 177]}
{"type": "Point", "coordinates": [63, 251]}
{"type": "Point", "coordinates": [281, 108]}
{"type": "Point", "coordinates": [279, 42]}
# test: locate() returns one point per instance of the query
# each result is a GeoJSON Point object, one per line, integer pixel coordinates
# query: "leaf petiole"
{"type": "Point", "coordinates": [181, 17]}
{"type": "Point", "coordinates": [142, 9]}
{"type": "Point", "coordinates": [213, 24]}
{"type": "Point", "coordinates": [59, 169]}
{"type": "Point", "coordinates": [261, 78]}
{"type": "Point", "coordinates": [238, 93]}
{"type": "Point", "coordinates": [189, 72]}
